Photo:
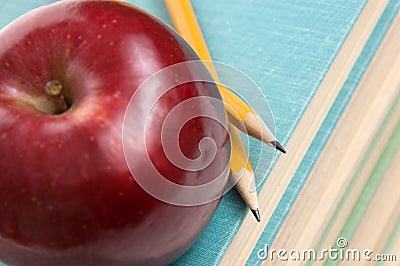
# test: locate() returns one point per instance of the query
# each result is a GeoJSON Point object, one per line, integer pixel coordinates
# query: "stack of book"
{"type": "Point", "coordinates": [336, 187]}
{"type": "Point", "coordinates": [330, 71]}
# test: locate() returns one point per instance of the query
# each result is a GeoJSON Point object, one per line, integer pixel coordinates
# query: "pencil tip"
{"type": "Point", "coordinates": [256, 214]}
{"type": "Point", "coordinates": [278, 146]}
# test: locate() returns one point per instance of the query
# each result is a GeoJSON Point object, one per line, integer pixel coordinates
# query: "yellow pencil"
{"type": "Point", "coordinates": [241, 171]}
{"type": "Point", "coordinates": [240, 114]}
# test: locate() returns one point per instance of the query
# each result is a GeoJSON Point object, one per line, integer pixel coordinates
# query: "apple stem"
{"type": "Point", "coordinates": [54, 89]}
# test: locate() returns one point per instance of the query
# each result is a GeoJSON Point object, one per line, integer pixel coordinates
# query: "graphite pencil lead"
{"type": "Point", "coordinates": [256, 214]}
{"type": "Point", "coordinates": [278, 146]}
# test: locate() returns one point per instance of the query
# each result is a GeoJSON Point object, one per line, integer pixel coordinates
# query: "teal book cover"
{"type": "Point", "coordinates": [286, 47]}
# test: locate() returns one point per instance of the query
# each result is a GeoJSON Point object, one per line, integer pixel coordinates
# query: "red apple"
{"type": "Point", "coordinates": [67, 197]}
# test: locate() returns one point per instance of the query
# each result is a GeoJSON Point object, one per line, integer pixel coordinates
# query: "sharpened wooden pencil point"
{"type": "Point", "coordinates": [256, 214]}
{"type": "Point", "coordinates": [242, 172]}
{"type": "Point", "coordinates": [278, 146]}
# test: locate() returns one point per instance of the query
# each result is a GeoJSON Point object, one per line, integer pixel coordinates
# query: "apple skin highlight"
{"type": "Point", "coordinates": [67, 196]}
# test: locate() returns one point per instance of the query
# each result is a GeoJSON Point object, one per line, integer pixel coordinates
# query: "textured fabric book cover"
{"type": "Point", "coordinates": [286, 47]}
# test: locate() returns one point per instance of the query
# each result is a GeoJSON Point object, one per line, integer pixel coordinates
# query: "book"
{"type": "Point", "coordinates": [375, 100]}
{"type": "Point", "coordinates": [279, 205]}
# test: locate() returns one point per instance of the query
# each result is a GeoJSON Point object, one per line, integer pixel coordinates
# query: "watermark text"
{"type": "Point", "coordinates": [338, 253]}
